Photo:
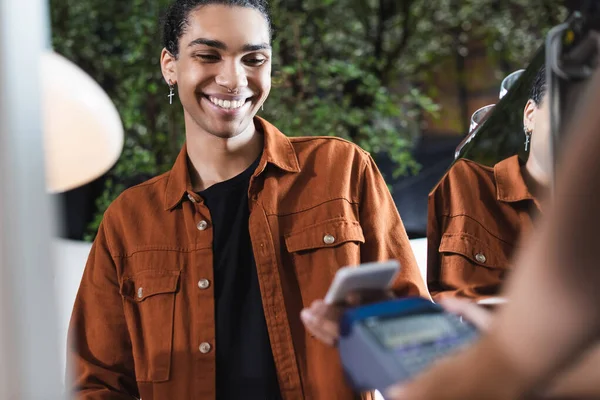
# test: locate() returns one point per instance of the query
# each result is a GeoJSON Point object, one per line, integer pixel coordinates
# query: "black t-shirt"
{"type": "Point", "coordinates": [245, 366]}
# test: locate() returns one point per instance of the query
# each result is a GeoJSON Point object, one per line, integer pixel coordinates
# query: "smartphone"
{"type": "Point", "coordinates": [368, 276]}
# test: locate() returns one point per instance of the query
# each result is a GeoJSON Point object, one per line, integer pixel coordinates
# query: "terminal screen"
{"type": "Point", "coordinates": [413, 330]}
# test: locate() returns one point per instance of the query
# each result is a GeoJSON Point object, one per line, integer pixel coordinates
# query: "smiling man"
{"type": "Point", "coordinates": [194, 285]}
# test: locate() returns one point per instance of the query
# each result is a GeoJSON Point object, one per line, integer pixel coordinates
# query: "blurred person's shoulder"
{"type": "Point", "coordinates": [464, 187]}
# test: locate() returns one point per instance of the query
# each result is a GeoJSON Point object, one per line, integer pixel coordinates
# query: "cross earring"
{"type": "Point", "coordinates": [171, 92]}
{"type": "Point", "coordinates": [527, 138]}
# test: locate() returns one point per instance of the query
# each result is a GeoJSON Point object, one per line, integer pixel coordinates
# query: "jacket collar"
{"type": "Point", "coordinates": [278, 150]}
{"type": "Point", "coordinates": [510, 185]}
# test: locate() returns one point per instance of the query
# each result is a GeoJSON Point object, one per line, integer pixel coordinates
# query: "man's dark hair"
{"type": "Point", "coordinates": [538, 88]}
{"type": "Point", "coordinates": [176, 18]}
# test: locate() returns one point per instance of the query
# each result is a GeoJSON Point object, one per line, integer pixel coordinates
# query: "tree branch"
{"type": "Point", "coordinates": [396, 52]}
{"type": "Point", "coordinates": [381, 19]}
{"type": "Point", "coordinates": [362, 12]}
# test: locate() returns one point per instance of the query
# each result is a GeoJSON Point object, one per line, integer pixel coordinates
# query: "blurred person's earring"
{"type": "Point", "coordinates": [171, 92]}
{"type": "Point", "coordinates": [527, 137]}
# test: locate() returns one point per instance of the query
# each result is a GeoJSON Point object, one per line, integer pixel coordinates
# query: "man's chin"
{"type": "Point", "coordinates": [229, 130]}
{"type": "Point", "coordinates": [218, 125]}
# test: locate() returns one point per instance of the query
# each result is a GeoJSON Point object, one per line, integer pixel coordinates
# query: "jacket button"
{"type": "Point", "coordinates": [202, 225]}
{"type": "Point", "coordinates": [328, 239]}
{"type": "Point", "coordinates": [205, 348]}
{"type": "Point", "coordinates": [480, 258]}
{"type": "Point", "coordinates": [203, 283]}
{"type": "Point", "coordinates": [140, 293]}
{"type": "Point", "coordinates": [192, 199]}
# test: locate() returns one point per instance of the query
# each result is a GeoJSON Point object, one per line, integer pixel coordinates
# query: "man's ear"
{"type": "Point", "coordinates": [167, 66]}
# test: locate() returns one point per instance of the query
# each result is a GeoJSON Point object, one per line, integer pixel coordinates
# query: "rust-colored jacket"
{"type": "Point", "coordinates": [476, 216]}
{"type": "Point", "coordinates": [143, 324]}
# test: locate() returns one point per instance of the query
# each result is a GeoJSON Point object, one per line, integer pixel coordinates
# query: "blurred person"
{"type": "Point", "coordinates": [477, 214]}
{"type": "Point", "coordinates": [548, 325]}
{"type": "Point", "coordinates": [195, 282]}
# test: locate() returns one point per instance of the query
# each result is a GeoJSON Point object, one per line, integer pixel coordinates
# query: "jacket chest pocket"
{"type": "Point", "coordinates": [320, 249]}
{"type": "Point", "coordinates": [476, 264]}
{"type": "Point", "coordinates": [149, 306]}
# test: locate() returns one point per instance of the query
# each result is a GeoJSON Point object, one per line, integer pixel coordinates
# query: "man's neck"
{"type": "Point", "coordinates": [213, 159]}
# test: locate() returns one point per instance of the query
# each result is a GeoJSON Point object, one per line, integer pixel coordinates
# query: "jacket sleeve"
{"type": "Point", "coordinates": [435, 230]}
{"type": "Point", "coordinates": [99, 358]}
{"type": "Point", "coordinates": [385, 236]}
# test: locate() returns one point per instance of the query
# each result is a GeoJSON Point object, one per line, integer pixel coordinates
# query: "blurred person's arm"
{"type": "Point", "coordinates": [554, 294]}
{"type": "Point", "coordinates": [577, 382]}
{"type": "Point", "coordinates": [100, 358]}
{"type": "Point", "coordinates": [582, 381]}
{"type": "Point", "coordinates": [552, 317]}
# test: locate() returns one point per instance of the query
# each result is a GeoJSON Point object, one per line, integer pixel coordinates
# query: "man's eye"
{"type": "Point", "coordinates": [255, 61]}
{"type": "Point", "coordinates": [208, 57]}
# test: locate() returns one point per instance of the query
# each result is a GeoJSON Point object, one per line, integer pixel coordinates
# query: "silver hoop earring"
{"type": "Point", "coordinates": [527, 137]}
{"type": "Point", "coordinates": [171, 92]}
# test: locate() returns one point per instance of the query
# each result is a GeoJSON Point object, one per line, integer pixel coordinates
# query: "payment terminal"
{"type": "Point", "coordinates": [386, 343]}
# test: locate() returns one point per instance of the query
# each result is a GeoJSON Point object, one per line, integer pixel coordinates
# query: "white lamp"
{"type": "Point", "coordinates": [83, 138]}
{"type": "Point", "coordinates": [83, 133]}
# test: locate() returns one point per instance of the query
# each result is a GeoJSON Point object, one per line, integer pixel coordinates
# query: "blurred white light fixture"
{"type": "Point", "coordinates": [479, 116]}
{"type": "Point", "coordinates": [510, 80]}
{"type": "Point", "coordinates": [83, 133]}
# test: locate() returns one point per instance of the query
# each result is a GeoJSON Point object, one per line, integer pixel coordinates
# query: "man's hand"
{"type": "Point", "coordinates": [323, 320]}
{"type": "Point", "coordinates": [477, 315]}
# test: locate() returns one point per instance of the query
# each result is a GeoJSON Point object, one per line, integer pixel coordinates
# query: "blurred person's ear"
{"type": "Point", "coordinates": [529, 115]}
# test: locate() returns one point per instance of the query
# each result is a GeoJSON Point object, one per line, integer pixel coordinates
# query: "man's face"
{"type": "Point", "coordinates": [223, 72]}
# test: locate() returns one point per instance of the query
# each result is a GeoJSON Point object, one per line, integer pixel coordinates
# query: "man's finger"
{"type": "Point", "coordinates": [473, 313]}
{"type": "Point", "coordinates": [324, 330]}
{"type": "Point", "coordinates": [395, 392]}
{"type": "Point", "coordinates": [368, 296]}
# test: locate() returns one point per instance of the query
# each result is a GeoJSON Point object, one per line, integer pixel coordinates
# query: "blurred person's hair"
{"type": "Point", "coordinates": [539, 86]}
{"type": "Point", "coordinates": [175, 20]}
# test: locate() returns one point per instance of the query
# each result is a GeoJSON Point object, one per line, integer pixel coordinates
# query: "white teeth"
{"type": "Point", "coordinates": [227, 104]}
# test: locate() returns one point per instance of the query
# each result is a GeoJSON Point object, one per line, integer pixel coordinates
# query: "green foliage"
{"type": "Point", "coordinates": [356, 69]}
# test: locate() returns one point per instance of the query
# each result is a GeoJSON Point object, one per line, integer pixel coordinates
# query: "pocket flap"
{"type": "Point", "coordinates": [487, 253]}
{"type": "Point", "coordinates": [149, 283]}
{"type": "Point", "coordinates": [324, 234]}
